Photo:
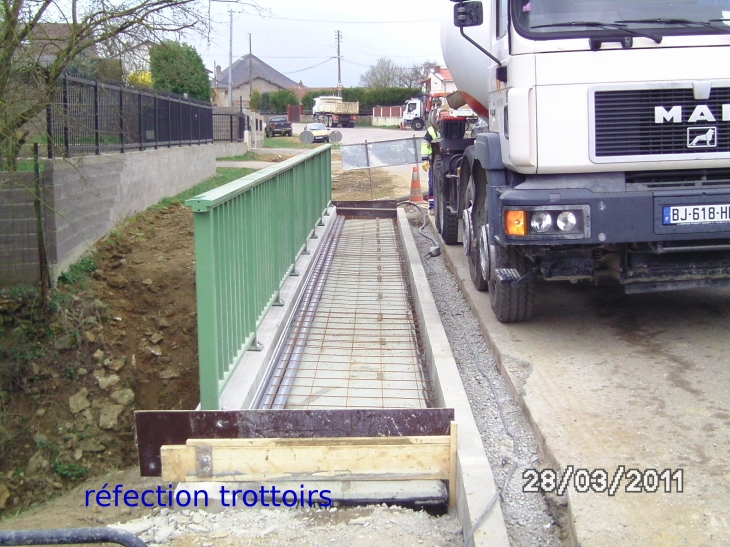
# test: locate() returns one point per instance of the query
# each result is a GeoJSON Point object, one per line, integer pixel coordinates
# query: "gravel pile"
{"type": "Point", "coordinates": [532, 520]}
{"type": "Point", "coordinates": [378, 526]}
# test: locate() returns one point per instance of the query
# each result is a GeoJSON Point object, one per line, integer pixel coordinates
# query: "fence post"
{"type": "Point", "coordinates": [230, 117]}
{"type": "Point", "coordinates": [66, 143]}
{"type": "Point", "coordinates": [96, 118]}
{"type": "Point", "coordinates": [42, 258]}
{"type": "Point", "coordinates": [49, 130]}
{"type": "Point", "coordinates": [169, 122]}
{"type": "Point", "coordinates": [141, 121]}
{"type": "Point", "coordinates": [121, 119]}
{"type": "Point", "coordinates": [179, 125]}
{"type": "Point", "coordinates": [157, 122]}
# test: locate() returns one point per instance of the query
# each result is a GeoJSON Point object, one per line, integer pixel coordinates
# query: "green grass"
{"type": "Point", "coordinates": [78, 271]}
{"type": "Point", "coordinates": [248, 156]}
{"type": "Point", "coordinates": [223, 175]}
{"type": "Point", "coordinates": [26, 166]}
{"type": "Point", "coordinates": [286, 142]}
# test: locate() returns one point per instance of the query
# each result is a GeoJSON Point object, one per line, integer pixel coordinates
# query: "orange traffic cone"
{"type": "Point", "coordinates": [416, 193]}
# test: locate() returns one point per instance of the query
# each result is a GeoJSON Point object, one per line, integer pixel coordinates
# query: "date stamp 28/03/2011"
{"type": "Point", "coordinates": [600, 481]}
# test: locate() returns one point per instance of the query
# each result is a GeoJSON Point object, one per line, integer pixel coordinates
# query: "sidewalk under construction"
{"type": "Point", "coordinates": [356, 385]}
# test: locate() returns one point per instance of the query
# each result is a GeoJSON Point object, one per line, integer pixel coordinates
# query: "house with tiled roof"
{"type": "Point", "coordinates": [262, 76]}
{"type": "Point", "coordinates": [438, 82]}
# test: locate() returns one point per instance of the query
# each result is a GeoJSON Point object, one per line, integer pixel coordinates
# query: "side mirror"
{"type": "Point", "coordinates": [468, 14]}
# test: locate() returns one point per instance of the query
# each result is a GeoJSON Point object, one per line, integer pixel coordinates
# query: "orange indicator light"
{"type": "Point", "coordinates": [515, 223]}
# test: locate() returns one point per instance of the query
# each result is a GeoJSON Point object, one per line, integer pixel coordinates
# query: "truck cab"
{"type": "Point", "coordinates": [608, 150]}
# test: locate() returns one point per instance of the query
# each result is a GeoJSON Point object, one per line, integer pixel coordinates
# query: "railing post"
{"type": "Point", "coordinates": [121, 118]}
{"type": "Point", "coordinates": [230, 117]}
{"type": "Point", "coordinates": [157, 123]}
{"type": "Point", "coordinates": [49, 129]}
{"type": "Point", "coordinates": [66, 143]}
{"type": "Point", "coordinates": [169, 122]}
{"type": "Point", "coordinates": [141, 121]}
{"type": "Point", "coordinates": [206, 289]}
{"type": "Point", "coordinates": [96, 118]}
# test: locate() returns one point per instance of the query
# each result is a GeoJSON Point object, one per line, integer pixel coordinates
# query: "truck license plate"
{"type": "Point", "coordinates": [695, 214]}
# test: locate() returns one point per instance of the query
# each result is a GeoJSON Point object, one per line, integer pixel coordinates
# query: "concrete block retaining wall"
{"type": "Point", "coordinates": [86, 197]}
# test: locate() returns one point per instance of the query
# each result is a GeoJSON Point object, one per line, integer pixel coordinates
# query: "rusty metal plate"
{"type": "Point", "coordinates": [156, 428]}
{"type": "Point", "coordinates": [367, 209]}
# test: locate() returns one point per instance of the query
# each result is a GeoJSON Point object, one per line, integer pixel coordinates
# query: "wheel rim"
{"type": "Point", "coordinates": [484, 251]}
{"type": "Point", "coordinates": [467, 236]}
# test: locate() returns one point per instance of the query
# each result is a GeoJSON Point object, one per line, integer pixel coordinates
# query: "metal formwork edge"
{"type": "Point", "coordinates": [474, 480]}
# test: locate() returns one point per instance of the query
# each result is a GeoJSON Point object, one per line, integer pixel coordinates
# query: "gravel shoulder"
{"type": "Point", "coordinates": [531, 518]}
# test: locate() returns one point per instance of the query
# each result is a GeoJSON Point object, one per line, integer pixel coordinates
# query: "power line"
{"type": "Point", "coordinates": [303, 69]}
{"type": "Point", "coordinates": [350, 22]}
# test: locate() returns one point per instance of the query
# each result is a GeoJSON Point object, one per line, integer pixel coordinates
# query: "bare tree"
{"type": "Point", "coordinates": [40, 39]}
{"type": "Point", "coordinates": [413, 75]}
{"type": "Point", "coordinates": [385, 73]}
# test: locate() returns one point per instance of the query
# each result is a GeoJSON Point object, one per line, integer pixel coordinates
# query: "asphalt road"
{"type": "Point", "coordinates": [634, 381]}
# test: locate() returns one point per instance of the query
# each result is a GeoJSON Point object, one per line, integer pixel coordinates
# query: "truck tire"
{"type": "Point", "coordinates": [328, 121]}
{"type": "Point", "coordinates": [447, 224]}
{"type": "Point", "coordinates": [417, 124]}
{"type": "Point", "coordinates": [471, 219]}
{"type": "Point", "coordinates": [510, 304]}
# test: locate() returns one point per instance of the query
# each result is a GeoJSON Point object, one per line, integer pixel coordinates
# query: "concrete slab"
{"type": "Point", "coordinates": [612, 380]}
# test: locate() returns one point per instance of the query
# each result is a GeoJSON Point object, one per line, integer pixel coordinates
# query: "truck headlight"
{"type": "Point", "coordinates": [548, 222]}
{"type": "Point", "coordinates": [542, 221]}
{"type": "Point", "coordinates": [567, 221]}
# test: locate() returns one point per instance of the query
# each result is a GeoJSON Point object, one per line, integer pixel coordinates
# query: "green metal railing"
{"type": "Point", "coordinates": [248, 235]}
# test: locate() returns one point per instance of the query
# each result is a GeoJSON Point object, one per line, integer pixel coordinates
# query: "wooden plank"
{"type": "Point", "coordinates": [389, 458]}
{"type": "Point", "coordinates": [174, 427]}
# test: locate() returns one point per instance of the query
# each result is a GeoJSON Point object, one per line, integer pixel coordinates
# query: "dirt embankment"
{"type": "Point", "coordinates": [120, 339]}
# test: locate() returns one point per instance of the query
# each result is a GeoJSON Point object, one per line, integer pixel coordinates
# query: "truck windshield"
{"type": "Point", "coordinates": [550, 19]}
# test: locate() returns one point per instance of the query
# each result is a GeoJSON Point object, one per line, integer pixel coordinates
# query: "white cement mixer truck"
{"type": "Point", "coordinates": [608, 145]}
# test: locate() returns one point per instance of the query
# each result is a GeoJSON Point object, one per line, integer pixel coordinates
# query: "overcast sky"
{"type": "Point", "coordinates": [295, 35]}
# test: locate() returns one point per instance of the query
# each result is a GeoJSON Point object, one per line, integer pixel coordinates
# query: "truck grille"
{"type": "Point", "coordinates": [625, 126]}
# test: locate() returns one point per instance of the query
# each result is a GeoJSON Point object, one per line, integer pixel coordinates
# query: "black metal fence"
{"type": "Point", "coordinates": [88, 117]}
{"type": "Point", "coordinates": [230, 127]}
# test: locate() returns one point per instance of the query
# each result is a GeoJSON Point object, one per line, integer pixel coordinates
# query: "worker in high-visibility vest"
{"type": "Point", "coordinates": [431, 134]}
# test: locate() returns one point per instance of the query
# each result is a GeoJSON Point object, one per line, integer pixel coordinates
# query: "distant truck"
{"type": "Point", "coordinates": [333, 111]}
{"type": "Point", "coordinates": [417, 110]}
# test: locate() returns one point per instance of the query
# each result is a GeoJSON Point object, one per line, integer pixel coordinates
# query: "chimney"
{"type": "Point", "coordinates": [217, 71]}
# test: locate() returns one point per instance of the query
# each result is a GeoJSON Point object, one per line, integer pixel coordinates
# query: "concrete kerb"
{"type": "Point", "coordinates": [500, 342]}
{"type": "Point", "coordinates": [475, 482]}
{"type": "Point", "coordinates": [241, 388]}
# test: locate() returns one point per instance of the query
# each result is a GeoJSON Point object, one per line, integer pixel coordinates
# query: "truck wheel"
{"type": "Point", "coordinates": [510, 304]}
{"type": "Point", "coordinates": [328, 121]}
{"type": "Point", "coordinates": [472, 220]}
{"type": "Point", "coordinates": [417, 124]}
{"type": "Point", "coordinates": [447, 224]}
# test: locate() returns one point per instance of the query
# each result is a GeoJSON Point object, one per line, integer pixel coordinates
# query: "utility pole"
{"type": "Point", "coordinates": [230, 61]}
{"type": "Point", "coordinates": [250, 71]}
{"type": "Point", "coordinates": [339, 69]}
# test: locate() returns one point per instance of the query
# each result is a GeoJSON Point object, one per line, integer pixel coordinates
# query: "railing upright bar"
{"type": "Point", "coordinates": [121, 119]}
{"type": "Point", "coordinates": [97, 147]}
{"type": "Point", "coordinates": [207, 295]}
{"type": "Point", "coordinates": [66, 138]}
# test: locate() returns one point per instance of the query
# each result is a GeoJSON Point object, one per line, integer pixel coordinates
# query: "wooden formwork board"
{"type": "Point", "coordinates": [175, 427]}
{"type": "Point", "coordinates": [324, 458]}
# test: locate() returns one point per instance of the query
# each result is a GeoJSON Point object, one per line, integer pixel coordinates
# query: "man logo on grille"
{"type": "Point", "coordinates": [701, 137]}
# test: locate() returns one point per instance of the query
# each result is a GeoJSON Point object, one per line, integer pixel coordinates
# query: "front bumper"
{"type": "Point", "coordinates": [620, 217]}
